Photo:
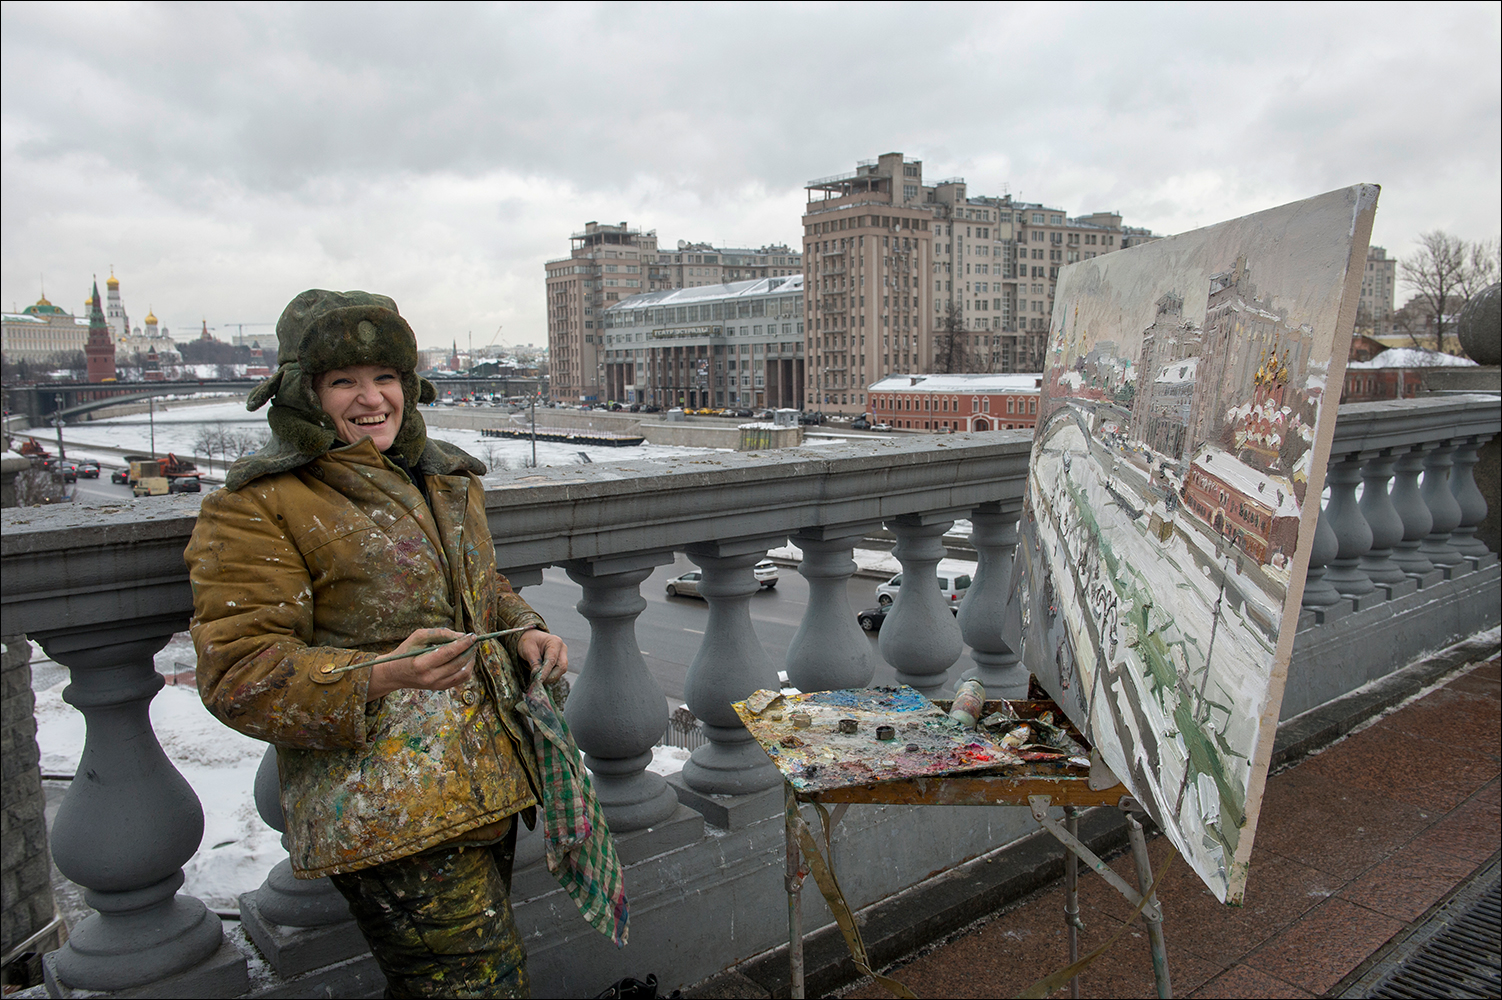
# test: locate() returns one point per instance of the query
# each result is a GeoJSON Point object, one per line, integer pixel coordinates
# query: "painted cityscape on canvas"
{"type": "Point", "coordinates": [1173, 486]}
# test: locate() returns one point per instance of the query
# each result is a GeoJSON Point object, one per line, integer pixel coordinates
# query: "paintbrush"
{"type": "Point", "coordinates": [418, 651]}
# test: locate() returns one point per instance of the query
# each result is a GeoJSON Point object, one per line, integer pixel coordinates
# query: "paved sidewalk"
{"type": "Point", "coordinates": [1355, 844]}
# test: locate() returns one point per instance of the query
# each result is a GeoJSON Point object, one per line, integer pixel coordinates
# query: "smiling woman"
{"type": "Point", "coordinates": [363, 401]}
{"type": "Point", "coordinates": [350, 537]}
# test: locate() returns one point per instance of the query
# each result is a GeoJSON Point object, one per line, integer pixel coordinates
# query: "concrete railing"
{"type": "Point", "coordinates": [103, 588]}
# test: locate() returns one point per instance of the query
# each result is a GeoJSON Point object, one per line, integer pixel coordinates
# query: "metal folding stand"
{"type": "Point", "coordinates": [1038, 788]}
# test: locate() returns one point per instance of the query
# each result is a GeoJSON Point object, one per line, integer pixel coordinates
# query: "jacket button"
{"type": "Point", "coordinates": [468, 697]}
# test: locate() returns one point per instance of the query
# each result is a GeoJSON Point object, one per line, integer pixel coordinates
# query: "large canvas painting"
{"type": "Point", "coordinates": [1172, 496]}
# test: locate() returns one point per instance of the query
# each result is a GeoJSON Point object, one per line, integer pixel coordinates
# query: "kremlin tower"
{"type": "Point", "coordinates": [99, 349]}
{"type": "Point", "coordinates": [114, 310]}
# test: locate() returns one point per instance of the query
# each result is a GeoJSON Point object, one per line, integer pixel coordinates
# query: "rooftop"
{"type": "Point", "coordinates": [984, 382]}
{"type": "Point", "coordinates": [707, 293]}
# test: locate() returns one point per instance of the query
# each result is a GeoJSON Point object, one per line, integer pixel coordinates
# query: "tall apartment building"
{"type": "Point", "coordinates": [605, 264]}
{"type": "Point", "coordinates": [695, 265]}
{"type": "Point", "coordinates": [1377, 290]}
{"type": "Point", "coordinates": [609, 263]}
{"type": "Point", "coordinates": [895, 270]}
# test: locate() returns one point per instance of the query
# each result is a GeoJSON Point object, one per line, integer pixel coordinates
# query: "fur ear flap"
{"type": "Point", "coordinates": [261, 394]}
{"type": "Point", "coordinates": [427, 392]}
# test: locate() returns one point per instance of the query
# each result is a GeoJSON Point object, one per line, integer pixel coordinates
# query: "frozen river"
{"type": "Point", "coordinates": [178, 427]}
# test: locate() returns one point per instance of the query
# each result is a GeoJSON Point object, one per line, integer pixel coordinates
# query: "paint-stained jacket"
{"type": "Point", "coordinates": [337, 561]}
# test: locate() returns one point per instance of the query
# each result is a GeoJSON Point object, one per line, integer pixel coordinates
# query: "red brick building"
{"type": "Point", "coordinates": [956, 402]}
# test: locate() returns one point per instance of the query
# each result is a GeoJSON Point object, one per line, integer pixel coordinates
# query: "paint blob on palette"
{"type": "Point", "coordinates": [835, 739]}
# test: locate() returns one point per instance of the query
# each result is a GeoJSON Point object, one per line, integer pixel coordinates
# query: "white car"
{"type": "Point", "coordinates": [766, 573]}
{"type": "Point", "coordinates": [951, 584]}
{"type": "Point", "coordinates": [686, 585]}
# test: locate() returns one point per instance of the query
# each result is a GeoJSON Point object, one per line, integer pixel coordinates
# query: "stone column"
{"type": "Point", "coordinates": [1442, 507]}
{"type": "Point", "coordinates": [129, 823]}
{"type": "Point", "coordinates": [1409, 503]}
{"type": "Point", "coordinates": [1383, 519]}
{"type": "Point", "coordinates": [1352, 534]}
{"type": "Point", "coordinates": [830, 651]}
{"type": "Point", "coordinates": [1319, 593]}
{"type": "Point", "coordinates": [616, 710]}
{"type": "Point", "coordinates": [298, 924]}
{"type": "Point", "coordinates": [921, 637]}
{"type": "Point", "coordinates": [982, 612]}
{"type": "Point", "coordinates": [730, 665]}
{"type": "Point", "coordinates": [1471, 500]}
{"type": "Point", "coordinates": [28, 922]}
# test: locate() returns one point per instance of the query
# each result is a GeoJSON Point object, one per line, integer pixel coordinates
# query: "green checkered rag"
{"type": "Point", "coordinates": [580, 852]}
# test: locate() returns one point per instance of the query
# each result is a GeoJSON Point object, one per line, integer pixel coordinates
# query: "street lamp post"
{"type": "Point", "coordinates": [57, 421]}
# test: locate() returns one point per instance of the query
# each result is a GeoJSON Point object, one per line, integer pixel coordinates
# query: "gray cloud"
{"type": "Point", "coordinates": [223, 157]}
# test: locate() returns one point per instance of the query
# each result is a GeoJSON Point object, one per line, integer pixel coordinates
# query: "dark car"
{"type": "Point", "coordinates": [860, 424]}
{"type": "Point", "coordinates": [88, 470]}
{"type": "Point", "coordinates": [872, 618]}
{"type": "Point", "coordinates": [69, 471]}
{"type": "Point", "coordinates": [120, 476]}
{"type": "Point", "coordinates": [185, 484]}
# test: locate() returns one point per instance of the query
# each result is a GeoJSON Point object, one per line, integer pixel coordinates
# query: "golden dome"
{"type": "Point", "coordinates": [112, 281]}
{"type": "Point", "coordinates": [150, 318]}
{"type": "Point", "coordinates": [43, 301]}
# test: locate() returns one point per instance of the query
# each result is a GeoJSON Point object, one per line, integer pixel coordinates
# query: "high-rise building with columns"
{"type": "Point", "coordinates": [903, 277]}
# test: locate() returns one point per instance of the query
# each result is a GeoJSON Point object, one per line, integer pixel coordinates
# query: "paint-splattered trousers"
{"type": "Point", "coordinates": [440, 924]}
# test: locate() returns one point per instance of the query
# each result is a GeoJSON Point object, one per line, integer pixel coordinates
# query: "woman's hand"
{"type": "Point", "coordinates": [544, 652]}
{"type": "Point", "coordinates": [438, 670]}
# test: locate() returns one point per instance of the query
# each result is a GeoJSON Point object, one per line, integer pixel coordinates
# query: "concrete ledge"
{"type": "Point", "coordinates": [222, 974]}
{"type": "Point", "coordinates": [1358, 647]}
{"type": "Point", "coordinates": [1319, 727]}
{"type": "Point", "coordinates": [295, 950]}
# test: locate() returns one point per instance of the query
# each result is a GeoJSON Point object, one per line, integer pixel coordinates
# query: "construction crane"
{"type": "Point", "coordinates": [240, 328]}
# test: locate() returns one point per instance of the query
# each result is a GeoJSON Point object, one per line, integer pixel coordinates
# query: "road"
{"type": "Point", "coordinates": [670, 629]}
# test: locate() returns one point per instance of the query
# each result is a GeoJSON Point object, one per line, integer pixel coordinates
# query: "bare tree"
{"type": "Point", "coordinates": [238, 444]}
{"type": "Point", "coordinates": [36, 486]}
{"type": "Point", "coordinates": [1445, 271]}
{"type": "Point", "coordinates": [950, 342]}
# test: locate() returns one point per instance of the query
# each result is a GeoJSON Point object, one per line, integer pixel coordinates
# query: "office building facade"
{"type": "Point", "coordinates": [609, 263]}
{"type": "Point", "coordinates": [736, 345]}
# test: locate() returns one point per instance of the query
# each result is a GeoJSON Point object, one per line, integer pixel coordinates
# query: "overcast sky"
{"type": "Point", "coordinates": [224, 157]}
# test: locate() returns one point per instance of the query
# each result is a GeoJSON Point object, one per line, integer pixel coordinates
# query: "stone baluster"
{"type": "Point", "coordinates": [730, 665]}
{"type": "Point", "coordinates": [1443, 508]}
{"type": "Point", "coordinates": [1352, 534]}
{"type": "Point", "coordinates": [830, 651]}
{"type": "Point", "coordinates": [921, 637]}
{"type": "Point", "coordinates": [1319, 593]}
{"type": "Point", "coordinates": [1408, 501]}
{"type": "Point", "coordinates": [125, 829]}
{"type": "Point", "coordinates": [1471, 500]}
{"type": "Point", "coordinates": [298, 924]}
{"type": "Point", "coordinates": [982, 617]}
{"type": "Point", "coordinates": [616, 710]}
{"type": "Point", "coordinates": [1386, 525]}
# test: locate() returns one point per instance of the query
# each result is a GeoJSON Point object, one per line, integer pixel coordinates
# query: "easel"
{"type": "Point", "coordinates": [1035, 787]}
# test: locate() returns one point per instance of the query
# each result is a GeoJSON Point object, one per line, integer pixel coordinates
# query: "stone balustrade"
{"type": "Point", "coordinates": [1400, 536]}
{"type": "Point", "coordinates": [101, 588]}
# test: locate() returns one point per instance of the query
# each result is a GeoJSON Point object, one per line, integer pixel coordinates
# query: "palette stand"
{"type": "Point", "coordinates": [1037, 792]}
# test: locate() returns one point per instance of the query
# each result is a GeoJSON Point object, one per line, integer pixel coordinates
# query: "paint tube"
{"type": "Point", "coordinates": [969, 698]}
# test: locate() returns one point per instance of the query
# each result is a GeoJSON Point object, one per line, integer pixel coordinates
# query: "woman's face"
{"type": "Point", "coordinates": [365, 401]}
